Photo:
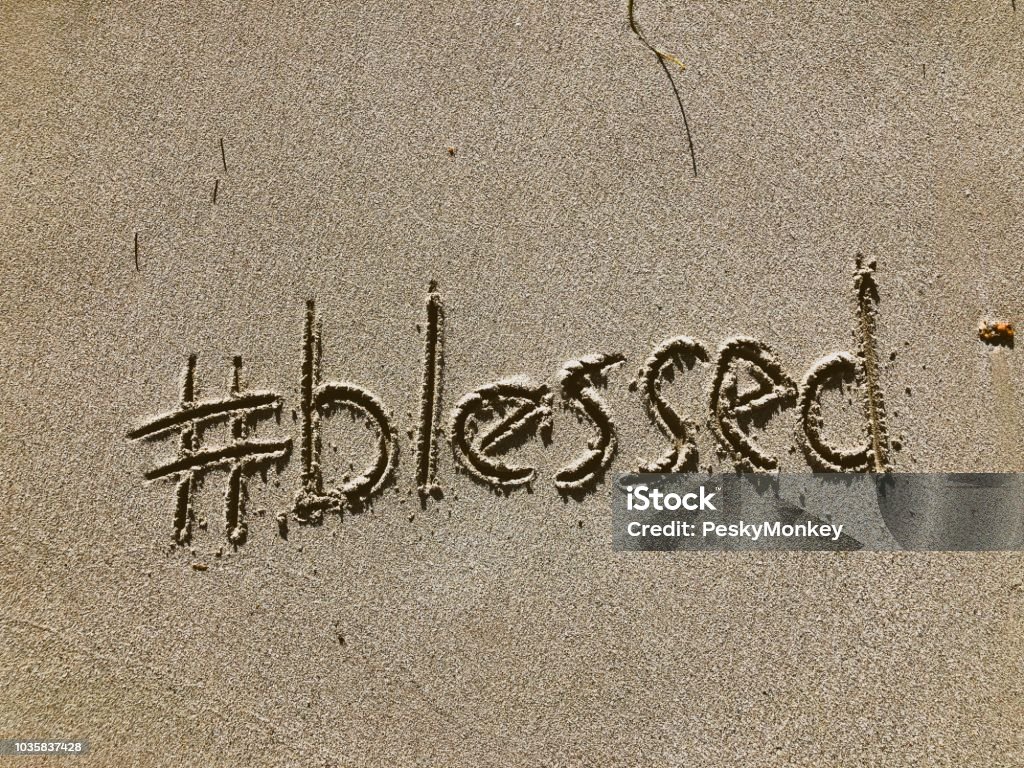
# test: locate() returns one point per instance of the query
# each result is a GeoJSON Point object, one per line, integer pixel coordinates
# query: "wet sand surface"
{"type": "Point", "coordinates": [182, 183]}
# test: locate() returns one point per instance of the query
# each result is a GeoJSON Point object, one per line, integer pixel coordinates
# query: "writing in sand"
{"type": "Point", "coordinates": [485, 426]}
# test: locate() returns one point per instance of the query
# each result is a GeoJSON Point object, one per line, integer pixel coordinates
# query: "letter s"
{"type": "Point", "coordinates": [642, 501]}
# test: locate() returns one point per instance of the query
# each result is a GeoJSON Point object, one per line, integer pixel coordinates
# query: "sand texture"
{"type": "Point", "coordinates": [436, 257]}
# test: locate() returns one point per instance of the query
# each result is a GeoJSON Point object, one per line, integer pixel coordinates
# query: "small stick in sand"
{"type": "Point", "coordinates": [136, 251]}
{"type": "Point", "coordinates": [223, 155]}
{"type": "Point", "coordinates": [664, 56]}
{"type": "Point", "coordinates": [216, 184]}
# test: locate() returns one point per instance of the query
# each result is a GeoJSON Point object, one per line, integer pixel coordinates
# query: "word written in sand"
{"type": "Point", "coordinates": [486, 426]}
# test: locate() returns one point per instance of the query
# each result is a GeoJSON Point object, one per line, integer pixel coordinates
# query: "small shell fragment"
{"type": "Point", "coordinates": [996, 332]}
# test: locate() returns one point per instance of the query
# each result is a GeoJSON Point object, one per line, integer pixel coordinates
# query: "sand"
{"type": "Point", "coordinates": [533, 161]}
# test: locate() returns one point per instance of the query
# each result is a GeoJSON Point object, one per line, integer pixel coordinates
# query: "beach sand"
{"type": "Point", "coordinates": [533, 161]}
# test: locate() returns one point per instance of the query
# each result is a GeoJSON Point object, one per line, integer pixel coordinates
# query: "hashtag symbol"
{"type": "Point", "coordinates": [242, 456]}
